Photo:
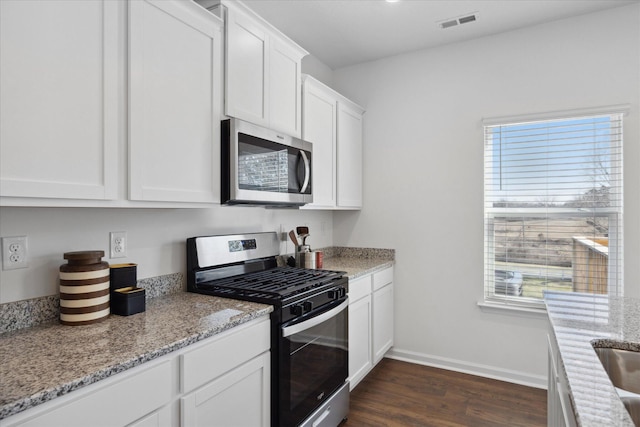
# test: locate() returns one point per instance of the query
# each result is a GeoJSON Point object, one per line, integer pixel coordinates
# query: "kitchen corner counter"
{"type": "Point", "coordinates": [357, 262]}
{"type": "Point", "coordinates": [50, 360]}
{"type": "Point", "coordinates": [578, 320]}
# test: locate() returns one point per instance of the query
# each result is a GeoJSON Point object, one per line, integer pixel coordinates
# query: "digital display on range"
{"type": "Point", "coordinates": [242, 245]}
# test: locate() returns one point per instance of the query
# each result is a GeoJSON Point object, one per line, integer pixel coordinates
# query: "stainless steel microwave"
{"type": "Point", "coordinates": [263, 167]}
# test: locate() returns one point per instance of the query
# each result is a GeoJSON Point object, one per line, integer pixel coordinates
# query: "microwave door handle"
{"type": "Point", "coordinates": [307, 171]}
{"type": "Point", "coordinates": [314, 321]}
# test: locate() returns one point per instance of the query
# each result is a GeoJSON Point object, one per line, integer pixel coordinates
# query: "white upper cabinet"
{"type": "Point", "coordinates": [285, 90]}
{"type": "Point", "coordinates": [262, 69]}
{"type": "Point", "coordinates": [95, 113]}
{"type": "Point", "coordinates": [174, 102]}
{"type": "Point", "coordinates": [59, 79]}
{"type": "Point", "coordinates": [247, 56]}
{"type": "Point", "coordinates": [334, 125]}
{"type": "Point", "coordinates": [319, 127]}
{"type": "Point", "coordinates": [349, 156]}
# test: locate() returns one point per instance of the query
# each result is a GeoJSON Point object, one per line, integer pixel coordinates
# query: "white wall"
{"type": "Point", "coordinates": [423, 174]}
{"type": "Point", "coordinates": [156, 237]}
{"type": "Point", "coordinates": [314, 67]}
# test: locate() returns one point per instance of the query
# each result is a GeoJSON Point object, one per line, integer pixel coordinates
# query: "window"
{"type": "Point", "coordinates": [553, 208]}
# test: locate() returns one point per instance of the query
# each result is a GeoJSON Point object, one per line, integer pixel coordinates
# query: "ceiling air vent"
{"type": "Point", "coordinates": [466, 19]}
{"type": "Point", "coordinates": [470, 17]}
{"type": "Point", "coordinates": [447, 24]}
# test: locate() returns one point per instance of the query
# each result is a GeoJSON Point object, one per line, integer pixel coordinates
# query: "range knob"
{"type": "Point", "coordinates": [297, 310]}
{"type": "Point", "coordinates": [337, 293]}
{"type": "Point", "coordinates": [307, 306]}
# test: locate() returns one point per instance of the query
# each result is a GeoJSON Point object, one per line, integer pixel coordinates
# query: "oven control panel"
{"type": "Point", "coordinates": [242, 245]}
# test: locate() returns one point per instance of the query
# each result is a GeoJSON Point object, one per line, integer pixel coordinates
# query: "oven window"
{"type": "Point", "coordinates": [314, 363]}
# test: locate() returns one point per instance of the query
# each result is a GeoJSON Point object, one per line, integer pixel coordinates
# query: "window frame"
{"type": "Point", "coordinates": [614, 215]}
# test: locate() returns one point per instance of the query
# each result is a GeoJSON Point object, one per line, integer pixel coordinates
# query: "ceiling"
{"type": "Point", "coordinates": [345, 32]}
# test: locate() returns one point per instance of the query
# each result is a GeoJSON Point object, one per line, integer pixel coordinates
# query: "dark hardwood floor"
{"type": "Point", "coordinates": [404, 394]}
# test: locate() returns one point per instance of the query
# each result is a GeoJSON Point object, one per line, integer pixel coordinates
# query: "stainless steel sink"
{"type": "Point", "coordinates": [633, 408]}
{"type": "Point", "coordinates": [623, 368]}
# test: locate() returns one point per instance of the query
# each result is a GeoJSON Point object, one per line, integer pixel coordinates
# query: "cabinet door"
{"type": "Point", "coordinates": [59, 68]}
{"type": "Point", "coordinates": [145, 389]}
{"type": "Point", "coordinates": [246, 68]}
{"type": "Point", "coordinates": [175, 96]}
{"type": "Point", "coordinates": [382, 321]}
{"type": "Point", "coordinates": [238, 398]}
{"type": "Point", "coordinates": [349, 157]}
{"type": "Point", "coordinates": [319, 128]}
{"type": "Point", "coordinates": [360, 362]}
{"type": "Point", "coordinates": [285, 92]}
{"type": "Point", "coordinates": [554, 405]}
{"type": "Point", "coordinates": [159, 418]}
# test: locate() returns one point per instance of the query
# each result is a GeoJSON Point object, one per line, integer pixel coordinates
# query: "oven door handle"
{"type": "Point", "coordinates": [316, 320]}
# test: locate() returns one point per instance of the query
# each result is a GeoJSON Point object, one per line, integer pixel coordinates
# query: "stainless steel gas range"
{"type": "Point", "coordinates": [309, 324]}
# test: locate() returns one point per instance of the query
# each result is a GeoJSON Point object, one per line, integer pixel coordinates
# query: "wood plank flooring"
{"type": "Point", "coordinates": [404, 394]}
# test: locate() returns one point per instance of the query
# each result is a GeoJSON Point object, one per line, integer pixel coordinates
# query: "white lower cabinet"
{"type": "Point", "coordinates": [239, 398]}
{"type": "Point", "coordinates": [120, 400]}
{"type": "Point", "coordinates": [370, 322]}
{"type": "Point", "coordinates": [559, 409]}
{"type": "Point", "coordinates": [220, 381]}
{"type": "Point", "coordinates": [360, 359]}
{"type": "Point", "coordinates": [159, 418]}
{"type": "Point", "coordinates": [382, 313]}
{"type": "Point", "coordinates": [231, 378]}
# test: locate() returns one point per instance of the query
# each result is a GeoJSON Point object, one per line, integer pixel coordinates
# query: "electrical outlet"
{"type": "Point", "coordinates": [118, 244]}
{"type": "Point", "coordinates": [14, 252]}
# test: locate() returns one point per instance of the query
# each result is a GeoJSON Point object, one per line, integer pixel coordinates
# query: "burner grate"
{"type": "Point", "coordinates": [276, 283]}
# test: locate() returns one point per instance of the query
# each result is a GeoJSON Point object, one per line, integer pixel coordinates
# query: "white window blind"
{"type": "Point", "coordinates": [553, 208]}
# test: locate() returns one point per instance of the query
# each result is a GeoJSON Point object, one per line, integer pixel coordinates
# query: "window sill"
{"type": "Point", "coordinates": [497, 307]}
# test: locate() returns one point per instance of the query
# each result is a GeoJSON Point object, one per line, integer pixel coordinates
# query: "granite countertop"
{"type": "Point", "coordinates": [578, 320]}
{"type": "Point", "coordinates": [46, 361]}
{"type": "Point", "coordinates": [357, 262]}
{"type": "Point", "coordinates": [65, 358]}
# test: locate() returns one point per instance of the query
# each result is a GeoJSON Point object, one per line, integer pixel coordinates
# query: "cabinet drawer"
{"type": "Point", "coordinates": [359, 288]}
{"type": "Point", "coordinates": [237, 398]}
{"type": "Point", "coordinates": [382, 278]}
{"type": "Point", "coordinates": [138, 393]}
{"type": "Point", "coordinates": [220, 354]}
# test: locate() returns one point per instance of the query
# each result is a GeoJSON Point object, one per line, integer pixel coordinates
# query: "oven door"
{"type": "Point", "coordinates": [313, 361]}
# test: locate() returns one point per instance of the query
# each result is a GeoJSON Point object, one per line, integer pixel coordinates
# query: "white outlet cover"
{"type": "Point", "coordinates": [118, 244]}
{"type": "Point", "coordinates": [15, 253]}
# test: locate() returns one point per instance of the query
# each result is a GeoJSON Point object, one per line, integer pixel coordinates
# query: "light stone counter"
{"type": "Point", "coordinates": [46, 361]}
{"type": "Point", "coordinates": [357, 262]}
{"type": "Point", "coordinates": [64, 358]}
{"type": "Point", "coordinates": [578, 320]}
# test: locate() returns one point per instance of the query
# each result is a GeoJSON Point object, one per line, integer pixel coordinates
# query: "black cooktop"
{"type": "Point", "coordinates": [275, 285]}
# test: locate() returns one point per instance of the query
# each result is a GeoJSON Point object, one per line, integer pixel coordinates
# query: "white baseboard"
{"type": "Point", "coordinates": [516, 377]}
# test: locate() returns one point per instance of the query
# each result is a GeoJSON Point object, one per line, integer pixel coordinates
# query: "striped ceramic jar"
{"type": "Point", "coordinates": [84, 288]}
